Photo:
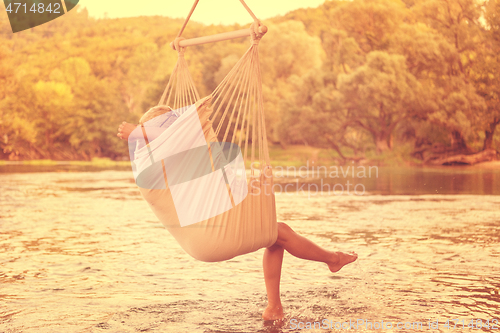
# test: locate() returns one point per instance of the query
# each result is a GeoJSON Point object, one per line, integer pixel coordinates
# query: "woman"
{"type": "Point", "coordinates": [288, 240]}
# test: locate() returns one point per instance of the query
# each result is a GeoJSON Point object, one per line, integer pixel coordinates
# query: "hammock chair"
{"type": "Point", "coordinates": [237, 208]}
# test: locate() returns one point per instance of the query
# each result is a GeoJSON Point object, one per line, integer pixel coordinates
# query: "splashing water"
{"type": "Point", "coordinates": [82, 251]}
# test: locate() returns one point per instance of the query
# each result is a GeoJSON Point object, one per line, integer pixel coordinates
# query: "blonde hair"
{"type": "Point", "coordinates": [162, 109]}
{"type": "Point", "coordinates": [154, 112]}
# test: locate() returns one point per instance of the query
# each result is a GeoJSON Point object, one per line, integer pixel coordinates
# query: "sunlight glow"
{"type": "Point", "coordinates": [207, 12]}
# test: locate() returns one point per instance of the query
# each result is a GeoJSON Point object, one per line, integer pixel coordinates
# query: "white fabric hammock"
{"type": "Point", "coordinates": [193, 173]}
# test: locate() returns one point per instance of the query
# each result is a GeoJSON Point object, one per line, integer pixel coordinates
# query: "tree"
{"type": "Point", "coordinates": [298, 53]}
{"type": "Point", "coordinates": [379, 96]}
{"type": "Point", "coordinates": [428, 54]}
{"type": "Point", "coordinates": [461, 109]}
{"type": "Point", "coordinates": [53, 101]}
{"type": "Point", "coordinates": [140, 69]}
{"type": "Point", "coordinates": [486, 71]}
{"type": "Point", "coordinates": [90, 120]}
{"type": "Point", "coordinates": [370, 22]}
{"type": "Point", "coordinates": [17, 132]}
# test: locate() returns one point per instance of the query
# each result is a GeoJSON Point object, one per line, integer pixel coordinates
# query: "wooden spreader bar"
{"type": "Point", "coordinates": [218, 37]}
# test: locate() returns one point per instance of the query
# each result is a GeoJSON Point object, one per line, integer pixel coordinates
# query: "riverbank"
{"type": "Point", "coordinates": [103, 162]}
{"type": "Point", "coordinates": [488, 165]}
{"type": "Point", "coordinates": [292, 156]}
{"type": "Point", "coordinates": [96, 164]}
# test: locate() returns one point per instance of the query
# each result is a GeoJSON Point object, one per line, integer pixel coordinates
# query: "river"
{"type": "Point", "coordinates": [80, 251]}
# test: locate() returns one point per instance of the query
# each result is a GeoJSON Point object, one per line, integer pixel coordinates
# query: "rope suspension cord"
{"type": "Point", "coordinates": [188, 17]}
{"type": "Point", "coordinates": [196, 4]}
{"type": "Point", "coordinates": [237, 101]}
{"type": "Point", "coordinates": [258, 29]}
{"type": "Point", "coordinates": [244, 219]}
{"type": "Point", "coordinates": [249, 11]}
{"type": "Point", "coordinates": [240, 92]}
{"type": "Point", "coordinates": [182, 82]}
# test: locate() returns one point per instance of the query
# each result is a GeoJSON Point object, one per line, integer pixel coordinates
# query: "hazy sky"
{"type": "Point", "coordinates": [207, 11]}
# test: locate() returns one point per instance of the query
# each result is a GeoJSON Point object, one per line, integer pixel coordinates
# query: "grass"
{"type": "Point", "coordinates": [292, 156]}
{"type": "Point", "coordinates": [398, 156]}
{"type": "Point", "coordinates": [300, 155]}
{"type": "Point", "coordinates": [95, 162]}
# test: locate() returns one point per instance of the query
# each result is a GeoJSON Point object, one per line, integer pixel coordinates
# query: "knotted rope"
{"type": "Point", "coordinates": [238, 108]}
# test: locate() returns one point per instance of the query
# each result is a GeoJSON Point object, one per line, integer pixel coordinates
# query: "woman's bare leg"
{"type": "Point", "coordinates": [303, 248]}
{"type": "Point", "coordinates": [273, 258]}
{"type": "Point", "coordinates": [299, 247]}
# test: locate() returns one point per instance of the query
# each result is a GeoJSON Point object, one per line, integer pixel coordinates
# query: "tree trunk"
{"type": "Point", "coordinates": [458, 142]}
{"type": "Point", "coordinates": [382, 142]}
{"type": "Point", "coordinates": [483, 156]}
{"type": "Point", "coordinates": [48, 143]}
{"type": "Point", "coordinates": [488, 135]}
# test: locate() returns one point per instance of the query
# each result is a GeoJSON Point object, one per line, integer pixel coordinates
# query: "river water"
{"type": "Point", "coordinates": [82, 252]}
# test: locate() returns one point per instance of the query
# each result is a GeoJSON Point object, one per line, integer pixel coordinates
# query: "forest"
{"type": "Point", "coordinates": [361, 78]}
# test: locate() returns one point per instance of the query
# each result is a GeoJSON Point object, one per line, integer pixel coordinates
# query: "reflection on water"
{"type": "Point", "coordinates": [386, 180]}
{"type": "Point", "coordinates": [82, 251]}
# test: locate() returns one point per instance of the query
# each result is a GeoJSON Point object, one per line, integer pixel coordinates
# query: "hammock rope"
{"type": "Point", "coordinates": [237, 101]}
{"type": "Point", "coordinates": [236, 115]}
{"type": "Point", "coordinates": [196, 4]}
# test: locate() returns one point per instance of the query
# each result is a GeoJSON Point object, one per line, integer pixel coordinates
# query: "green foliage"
{"type": "Point", "coordinates": [399, 156]}
{"type": "Point", "coordinates": [379, 95]}
{"type": "Point", "coordinates": [361, 78]}
{"type": "Point", "coordinates": [299, 54]}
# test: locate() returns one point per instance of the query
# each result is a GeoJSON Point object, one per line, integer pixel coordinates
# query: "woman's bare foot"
{"type": "Point", "coordinates": [273, 313]}
{"type": "Point", "coordinates": [340, 259]}
{"type": "Point", "coordinates": [125, 129]}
